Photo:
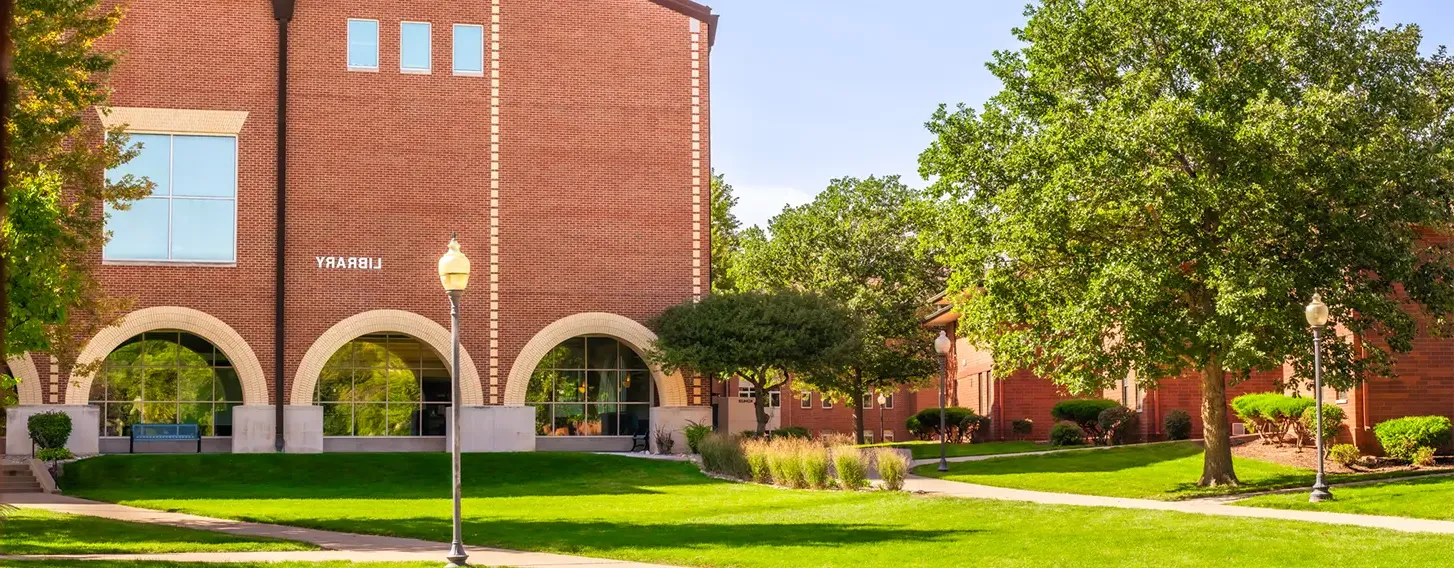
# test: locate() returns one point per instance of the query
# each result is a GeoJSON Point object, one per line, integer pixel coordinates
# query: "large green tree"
{"type": "Point", "coordinates": [1162, 185]}
{"type": "Point", "coordinates": [858, 243]}
{"type": "Point", "coordinates": [726, 242]}
{"type": "Point", "coordinates": [764, 338]}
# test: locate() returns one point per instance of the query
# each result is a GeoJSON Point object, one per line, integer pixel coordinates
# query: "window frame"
{"type": "Point", "coordinates": [454, 41]}
{"type": "Point", "coordinates": [429, 47]}
{"type": "Point", "coordinates": [868, 437]}
{"type": "Point", "coordinates": [805, 401]}
{"type": "Point", "coordinates": [171, 167]}
{"type": "Point", "coordinates": [888, 401]}
{"type": "Point", "coordinates": [826, 403]}
{"type": "Point", "coordinates": [378, 46]}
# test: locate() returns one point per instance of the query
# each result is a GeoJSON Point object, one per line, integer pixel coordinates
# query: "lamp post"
{"type": "Point", "coordinates": [941, 346]}
{"type": "Point", "coordinates": [454, 274]}
{"type": "Point", "coordinates": [881, 401]}
{"type": "Point", "coordinates": [1317, 315]}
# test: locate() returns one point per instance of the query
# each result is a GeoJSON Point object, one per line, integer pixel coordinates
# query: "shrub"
{"type": "Point", "coordinates": [837, 439]}
{"type": "Point", "coordinates": [1118, 424]}
{"type": "Point", "coordinates": [1424, 456]}
{"type": "Point", "coordinates": [1085, 412]}
{"type": "Point", "coordinates": [1402, 437]}
{"type": "Point", "coordinates": [695, 432]}
{"type": "Point", "coordinates": [852, 469]}
{"type": "Point", "coordinates": [53, 454]}
{"type": "Point", "coordinates": [1332, 422]}
{"type": "Point", "coordinates": [915, 428]}
{"type": "Point", "coordinates": [1022, 427]}
{"type": "Point", "coordinates": [1274, 415]}
{"type": "Point", "coordinates": [1177, 425]}
{"type": "Point", "coordinates": [815, 465]}
{"type": "Point", "coordinates": [49, 430]}
{"type": "Point", "coordinates": [723, 455]}
{"type": "Point", "coordinates": [792, 432]}
{"type": "Point", "coordinates": [1066, 433]}
{"type": "Point", "coordinates": [961, 424]}
{"type": "Point", "coordinates": [757, 452]}
{"type": "Point", "coordinates": [1344, 454]}
{"type": "Point", "coordinates": [893, 468]}
{"type": "Point", "coordinates": [785, 464]}
{"type": "Point", "coordinates": [664, 441]}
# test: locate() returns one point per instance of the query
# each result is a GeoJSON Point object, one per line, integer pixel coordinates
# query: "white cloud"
{"type": "Point", "coordinates": [757, 204]}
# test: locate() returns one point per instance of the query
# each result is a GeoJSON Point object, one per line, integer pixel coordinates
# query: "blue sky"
{"type": "Point", "coordinates": [804, 91]}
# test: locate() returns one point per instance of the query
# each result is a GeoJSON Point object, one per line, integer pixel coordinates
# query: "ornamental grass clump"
{"type": "Point", "coordinates": [851, 467]}
{"type": "Point", "coordinates": [893, 468]}
{"type": "Point", "coordinates": [784, 462]}
{"type": "Point", "coordinates": [757, 452]}
{"type": "Point", "coordinates": [723, 455]}
{"type": "Point", "coordinates": [814, 460]}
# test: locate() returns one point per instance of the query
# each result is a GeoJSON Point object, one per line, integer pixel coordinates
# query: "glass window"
{"type": "Point", "coordinates": [166, 377]}
{"type": "Point", "coordinates": [827, 403]}
{"type": "Point", "coordinates": [591, 386]}
{"type": "Point", "coordinates": [414, 47]}
{"type": "Point", "coordinates": [868, 436]}
{"type": "Point", "coordinates": [469, 49]}
{"type": "Point", "coordinates": [383, 385]}
{"type": "Point", "coordinates": [867, 401]}
{"type": "Point", "coordinates": [363, 44]}
{"type": "Point", "coordinates": [191, 215]}
{"type": "Point", "coordinates": [806, 401]}
{"type": "Point", "coordinates": [889, 400]}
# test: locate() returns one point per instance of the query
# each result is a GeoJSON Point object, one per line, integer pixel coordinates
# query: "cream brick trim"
{"type": "Point", "coordinates": [695, 46]}
{"type": "Point", "coordinates": [244, 361]}
{"type": "Point", "coordinates": [174, 120]}
{"type": "Point", "coordinates": [383, 321]}
{"type": "Point", "coordinates": [493, 370]}
{"type": "Point", "coordinates": [23, 369]}
{"type": "Point", "coordinates": [670, 389]}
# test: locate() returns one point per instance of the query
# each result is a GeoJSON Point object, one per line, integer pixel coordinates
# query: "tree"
{"type": "Point", "coordinates": [1162, 185]}
{"type": "Point", "coordinates": [726, 244]}
{"type": "Point", "coordinates": [55, 172]}
{"type": "Point", "coordinates": [762, 338]}
{"type": "Point", "coordinates": [857, 243]}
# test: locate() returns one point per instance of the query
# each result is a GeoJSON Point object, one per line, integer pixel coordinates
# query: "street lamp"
{"type": "Point", "coordinates": [1317, 314]}
{"type": "Point", "coordinates": [882, 400]}
{"type": "Point", "coordinates": [941, 346]}
{"type": "Point", "coordinates": [454, 274]}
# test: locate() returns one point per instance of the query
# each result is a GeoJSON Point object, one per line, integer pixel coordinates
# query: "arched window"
{"type": "Point", "coordinates": [166, 377]}
{"type": "Point", "coordinates": [383, 385]}
{"type": "Point", "coordinates": [591, 386]}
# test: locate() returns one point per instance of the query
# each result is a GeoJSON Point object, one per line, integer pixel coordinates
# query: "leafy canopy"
{"type": "Point", "coordinates": [726, 243]}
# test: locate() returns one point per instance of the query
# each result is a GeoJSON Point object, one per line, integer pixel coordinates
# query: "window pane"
{"type": "Point", "coordinates": [363, 44]}
{"type": "Point", "coordinates": [469, 49]}
{"type": "Point", "coordinates": [403, 419]}
{"type": "Point", "coordinates": [204, 229]}
{"type": "Point", "coordinates": [542, 420]}
{"type": "Point", "coordinates": [568, 419]}
{"type": "Point", "coordinates": [601, 353]}
{"type": "Point", "coordinates": [337, 420]}
{"type": "Point", "coordinates": [635, 419]}
{"type": "Point", "coordinates": [204, 166]}
{"type": "Point", "coordinates": [414, 46]}
{"type": "Point", "coordinates": [435, 385]}
{"type": "Point", "coordinates": [433, 421]}
{"type": "Point", "coordinates": [222, 419]}
{"type": "Point", "coordinates": [636, 386]}
{"type": "Point", "coordinates": [570, 354]}
{"type": "Point", "coordinates": [568, 386]}
{"type": "Point", "coordinates": [159, 412]}
{"type": "Point", "coordinates": [195, 384]}
{"type": "Point", "coordinates": [601, 386]}
{"type": "Point", "coordinates": [138, 233]}
{"type": "Point", "coordinates": [542, 383]}
{"type": "Point", "coordinates": [153, 162]}
{"type": "Point", "coordinates": [199, 414]}
{"type": "Point", "coordinates": [403, 386]}
{"type": "Point", "coordinates": [119, 418]}
{"type": "Point", "coordinates": [228, 388]}
{"type": "Point", "coordinates": [597, 415]}
{"type": "Point", "coordinates": [370, 420]}
{"type": "Point", "coordinates": [630, 360]}
{"type": "Point", "coordinates": [161, 385]}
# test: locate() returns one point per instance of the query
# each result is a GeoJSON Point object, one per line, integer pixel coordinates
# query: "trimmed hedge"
{"type": "Point", "coordinates": [49, 430]}
{"type": "Point", "coordinates": [1022, 427]}
{"type": "Point", "coordinates": [1177, 425]}
{"type": "Point", "coordinates": [1085, 412]}
{"type": "Point", "coordinates": [1066, 433]}
{"type": "Point", "coordinates": [1118, 424]}
{"type": "Point", "coordinates": [962, 424]}
{"type": "Point", "coordinates": [1402, 438]}
{"type": "Point", "coordinates": [1275, 415]}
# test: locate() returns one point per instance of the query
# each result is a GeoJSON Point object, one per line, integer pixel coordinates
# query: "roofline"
{"type": "Point", "coordinates": [694, 10]}
{"type": "Point", "coordinates": [926, 320]}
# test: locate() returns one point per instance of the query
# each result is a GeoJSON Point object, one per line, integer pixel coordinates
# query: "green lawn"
{"type": "Point", "coordinates": [668, 512]}
{"type": "Point", "coordinates": [29, 531]}
{"type": "Point", "coordinates": [1151, 471]}
{"type": "Point", "coordinates": [928, 450]}
{"type": "Point", "coordinates": [1419, 498]}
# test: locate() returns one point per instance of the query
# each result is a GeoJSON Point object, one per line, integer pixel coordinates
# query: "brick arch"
{"type": "Point", "coordinates": [23, 369]}
{"type": "Point", "coordinates": [226, 339]}
{"type": "Point", "coordinates": [671, 388]}
{"type": "Point", "coordinates": [384, 321]}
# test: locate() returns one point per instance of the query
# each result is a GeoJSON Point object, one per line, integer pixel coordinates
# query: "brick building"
{"type": "Point", "coordinates": [733, 408]}
{"type": "Point", "coordinates": [312, 158]}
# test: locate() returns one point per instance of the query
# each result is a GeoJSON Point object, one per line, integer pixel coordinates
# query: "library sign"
{"type": "Point", "coordinates": [350, 262]}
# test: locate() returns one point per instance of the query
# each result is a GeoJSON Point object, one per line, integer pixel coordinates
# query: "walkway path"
{"type": "Point", "coordinates": [934, 486]}
{"type": "Point", "coordinates": [336, 545]}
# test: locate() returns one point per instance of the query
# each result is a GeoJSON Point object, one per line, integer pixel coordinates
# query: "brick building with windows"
{"type": "Point", "coordinates": [311, 160]}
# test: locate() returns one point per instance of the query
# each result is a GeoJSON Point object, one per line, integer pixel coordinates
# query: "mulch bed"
{"type": "Point", "coordinates": [1289, 455]}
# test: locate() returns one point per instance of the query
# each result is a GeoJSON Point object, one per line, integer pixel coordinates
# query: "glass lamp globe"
{"type": "Point", "coordinates": [454, 268]}
{"type": "Point", "coordinates": [1316, 312]}
{"type": "Point", "coordinates": [941, 344]}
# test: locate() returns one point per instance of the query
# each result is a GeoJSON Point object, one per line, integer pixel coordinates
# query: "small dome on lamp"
{"type": "Point", "coordinates": [941, 344]}
{"type": "Point", "coordinates": [454, 268]}
{"type": "Point", "coordinates": [1316, 312]}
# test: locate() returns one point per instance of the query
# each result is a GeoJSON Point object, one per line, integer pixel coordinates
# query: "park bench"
{"type": "Point", "coordinates": [165, 433]}
{"type": "Point", "coordinates": [638, 442]}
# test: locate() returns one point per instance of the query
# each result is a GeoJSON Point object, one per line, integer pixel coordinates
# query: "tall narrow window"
{"type": "Point", "coordinates": [414, 47]}
{"type": "Point", "coordinates": [469, 49]}
{"type": "Point", "coordinates": [363, 45]}
{"type": "Point", "coordinates": [191, 214]}
{"type": "Point", "coordinates": [806, 400]}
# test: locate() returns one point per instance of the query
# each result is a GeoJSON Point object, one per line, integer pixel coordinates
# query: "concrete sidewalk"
{"type": "Point", "coordinates": [337, 545]}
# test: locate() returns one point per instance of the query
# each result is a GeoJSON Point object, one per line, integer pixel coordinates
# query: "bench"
{"type": "Point", "coordinates": [639, 441]}
{"type": "Point", "coordinates": [165, 433]}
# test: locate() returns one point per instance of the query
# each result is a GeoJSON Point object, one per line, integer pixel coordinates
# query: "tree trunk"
{"type": "Point", "coordinates": [857, 406]}
{"type": "Point", "coordinates": [1216, 431]}
{"type": "Point", "coordinates": [759, 405]}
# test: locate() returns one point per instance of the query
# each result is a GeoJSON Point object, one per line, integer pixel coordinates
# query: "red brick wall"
{"type": "Point", "coordinates": [840, 418]}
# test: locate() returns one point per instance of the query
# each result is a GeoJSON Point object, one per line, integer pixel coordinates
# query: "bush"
{"type": "Point", "coordinates": [1066, 433]}
{"type": "Point", "coordinates": [893, 468]}
{"type": "Point", "coordinates": [915, 428]}
{"type": "Point", "coordinates": [1022, 427]}
{"type": "Point", "coordinates": [723, 455]}
{"type": "Point", "coordinates": [1424, 456]}
{"type": "Point", "coordinates": [792, 432]}
{"type": "Point", "coordinates": [1177, 425]}
{"type": "Point", "coordinates": [961, 424]}
{"type": "Point", "coordinates": [852, 469]}
{"type": "Point", "coordinates": [695, 432]}
{"type": "Point", "coordinates": [1332, 422]}
{"type": "Point", "coordinates": [1118, 424]}
{"type": "Point", "coordinates": [815, 465]}
{"type": "Point", "coordinates": [1085, 412]}
{"type": "Point", "coordinates": [756, 452]}
{"type": "Point", "coordinates": [1344, 454]}
{"type": "Point", "coordinates": [50, 430]}
{"type": "Point", "coordinates": [1274, 415]}
{"type": "Point", "coordinates": [1402, 437]}
{"type": "Point", "coordinates": [54, 454]}
{"type": "Point", "coordinates": [785, 463]}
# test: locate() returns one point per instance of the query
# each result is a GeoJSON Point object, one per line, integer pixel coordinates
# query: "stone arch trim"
{"type": "Point", "coordinates": [23, 369]}
{"type": "Point", "coordinates": [244, 361]}
{"type": "Point", "coordinates": [671, 388]}
{"type": "Point", "coordinates": [384, 321]}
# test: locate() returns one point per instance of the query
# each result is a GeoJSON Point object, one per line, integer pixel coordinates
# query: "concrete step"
{"type": "Point", "coordinates": [20, 487]}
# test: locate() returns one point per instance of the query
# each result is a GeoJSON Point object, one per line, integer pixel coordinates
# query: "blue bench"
{"type": "Point", "coordinates": [165, 433]}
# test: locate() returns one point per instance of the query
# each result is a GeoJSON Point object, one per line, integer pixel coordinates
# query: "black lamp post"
{"type": "Point", "coordinates": [881, 400]}
{"type": "Point", "coordinates": [941, 346]}
{"type": "Point", "coordinates": [1317, 315]}
{"type": "Point", "coordinates": [454, 274]}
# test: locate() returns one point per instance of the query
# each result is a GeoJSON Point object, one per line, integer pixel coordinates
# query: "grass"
{"type": "Point", "coordinates": [668, 512]}
{"type": "Point", "coordinates": [930, 449]}
{"type": "Point", "coordinates": [1151, 471]}
{"type": "Point", "coordinates": [30, 531]}
{"type": "Point", "coordinates": [1417, 498]}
